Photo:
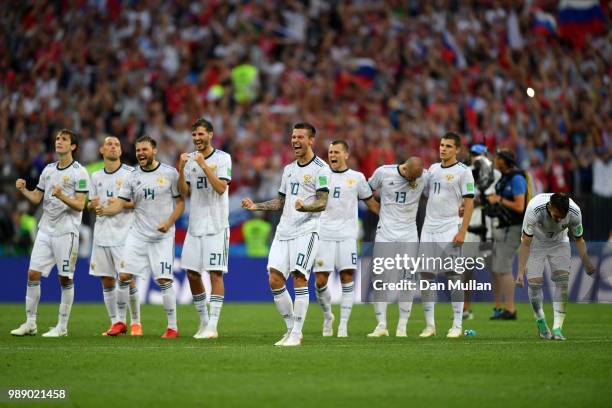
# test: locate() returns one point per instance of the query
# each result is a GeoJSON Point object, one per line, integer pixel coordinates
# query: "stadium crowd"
{"type": "Point", "coordinates": [390, 77]}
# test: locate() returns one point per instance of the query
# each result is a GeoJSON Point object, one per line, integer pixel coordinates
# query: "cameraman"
{"type": "Point", "coordinates": [508, 206]}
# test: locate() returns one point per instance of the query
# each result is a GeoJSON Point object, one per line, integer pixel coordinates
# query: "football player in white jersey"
{"type": "Point", "coordinates": [450, 186]}
{"type": "Point", "coordinates": [400, 188]}
{"type": "Point", "coordinates": [149, 246]}
{"type": "Point", "coordinates": [207, 173]}
{"type": "Point", "coordinates": [110, 232]}
{"type": "Point", "coordinates": [338, 231]}
{"type": "Point", "coordinates": [63, 188]}
{"type": "Point", "coordinates": [302, 197]}
{"type": "Point", "coordinates": [548, 219]}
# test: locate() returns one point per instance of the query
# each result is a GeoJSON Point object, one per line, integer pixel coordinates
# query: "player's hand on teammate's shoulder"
{"type": "Point", "coordinates": [248, 204]}
{"type": "Point", "coordinates": [299, 205]}
{"type": "Point", "coordinates": [20, 184]}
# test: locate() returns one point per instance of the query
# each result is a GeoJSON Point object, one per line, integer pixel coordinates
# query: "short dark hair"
{"type": "Point", "coordinates": [454, 137]}
{"type": "Point", "coordinates": [561, 202]}
{"type": "Point", "coordinates": [201, 122]}
{"type": "Point", "coordinates": [507, 156]}
{"type": "Point", "coordinates": [306, 125]}
{"type": "Point", "coordinates": [145, 138]}
{"type": "Point", "coordinates": [72, 135]}
{"type": "Point", "coordinates": [342, 143]}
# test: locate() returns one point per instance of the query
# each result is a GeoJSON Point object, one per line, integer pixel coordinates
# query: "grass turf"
{"type": "Point", "coordinates": [504, 365]}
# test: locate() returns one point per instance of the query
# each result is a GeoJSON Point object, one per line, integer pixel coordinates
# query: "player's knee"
{"type": "Point", "coordinates": [276, 279]}
{"type": "Point", "coordinates": [560, 276]}
{"type": "Point", "coordinates": [321, 279]}
{"type": "Point", "coordinates": [299, 280]}
{"type": "Point", "coordinates": [535, 281]}
{"type": "Point", "coordinates": [34, 276]}
{"type": "Point", "coordinates": [163, 281]}
{"type": "Point", "coordinates": [346, 276]}
{"type": "Point", "coordinates": [64, 280]}
{"type": "Point", "coordinates": [125, 277]}
{"type": "Point", "coordinates": [216, 276]}
{"type": "Point", "coordinates": [194, 276]}
{"type": "Point", "coordinates": [108, 282]}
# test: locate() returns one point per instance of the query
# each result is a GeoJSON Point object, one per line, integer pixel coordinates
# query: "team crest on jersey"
{"type": "Point", "coordinates": [92, 266]}
{"type": "Point", "coordinates": [161, 181]}
{"type": "Point", "coordinates": [307, 178]}
{"type": "Point", "coordinates": [122, 264]}
{"type": "Point", "coordinates": [65, 180]}
{"type": "Point", "coordinates": [564, 226]}
{"type": "Point", "coordinates": [118, 183]}
{"type": "Point", "coordinates": [319, 262]}
{"type": "Point", "coordinates": [450, 177]}
{"type": "Point", "coordinates": [413, 184]}
{"type": "Point", "coordinates": [213, 167]}
{"type": "Point", "coordinates": [351, 182]}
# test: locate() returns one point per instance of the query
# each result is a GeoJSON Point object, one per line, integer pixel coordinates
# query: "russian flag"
{"type": "Point", "coordinates": [544, 23]}
{"type": "Point", "coordinates": [578, 18]}
{"type": "Point", "coordinates": [451, 52]}
{"type": "Point", "coordinates": [364, 71]}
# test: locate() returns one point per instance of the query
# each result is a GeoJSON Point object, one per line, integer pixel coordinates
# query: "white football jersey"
{"type": "Point", "coordinates": [539, 224]}
{"type": "Point", "coordinates": [339, 220]}
{"type": "Point", "coordinates": [447, 186]}
{"type": "Point", "coordinates": [58, 218]}
{"type": "Point", "coordinates": [399, 202]}
{"type": "Point", "coordinates": [209, 210]}
{"type": "Point", "coordinates": [153, 193]}
{"type": "Point", "coordinates": [111, 231]}
{"type": "Point", "coordinates": [301, 182]}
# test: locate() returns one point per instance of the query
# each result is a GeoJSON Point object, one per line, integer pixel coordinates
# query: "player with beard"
{"type": "Point", "coordinates": [206, 174]}
{"type": "Point", "coordinates": [149, 246]}
{"type": "Point", "coordinates": [302, 197]}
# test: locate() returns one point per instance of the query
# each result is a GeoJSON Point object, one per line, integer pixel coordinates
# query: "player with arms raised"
{"type": "Point", "coordinates": [207, 173]}
{"type": "Point", "coordinates": [149, 246]}
{"type": "Point", "coordinates": [302, 197]}
{"type": "Point", "coordinates": [338, 235]}
{"type": "Point", "coordinates": [548, 219]}
{"type": "Point", "coordinates": [110, 232]}
{"type": "Point", "coordinates": [63, 188]}
{"type": "Point", "coordinates": [450, 186]}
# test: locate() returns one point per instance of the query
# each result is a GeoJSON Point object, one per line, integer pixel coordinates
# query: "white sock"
{"type": "Point", "coordinates": [324, 298]}
{"type": "Point", "coordinates": [65, 305]}
{"type": "Point", "coordinates": [31, 300]}
{"type": "Point", "coordinates": [123, 293]}
{"type": "Point", "coordinates": [428, 309]}
{"type": "Point", "coordinates": [169, 301]}
{"type": "Point", "coordinates": [300, 308]}
{"type": "Point", "coordinates": [134, 306]}
{"type": "Point", "coordinates": [559, 301]}
{"type": "Point", "coordinates": [199, 301]}
{"type": "Point", "coordinates": [346, 302]}
{"type": "Point", "coordinates": [380, 310]}
{"type": "Point", "coordinates": [216, 303]}
{"type": "Point", "coordinates": [536, 297]}
{"type": "Point", "coordinates": [110, 301]}
{"type": "Point", "coordinates": [457, 300]}
{"type": "Point", "coordinates": [405, 308]}
{"type": "Point", "coordinates": [284, 305]}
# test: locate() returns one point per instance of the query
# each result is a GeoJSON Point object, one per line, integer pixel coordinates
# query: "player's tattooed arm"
{"type": "Point", "coordinates": [317, 205]}
{"type": "Point", "coordinates": [271, 205]}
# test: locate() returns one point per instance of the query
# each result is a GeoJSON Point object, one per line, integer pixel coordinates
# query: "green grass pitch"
{"type": "Point", "coordinates": [504, 365]}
